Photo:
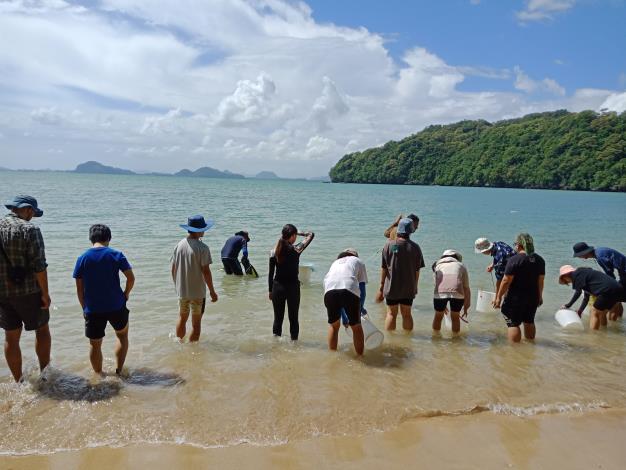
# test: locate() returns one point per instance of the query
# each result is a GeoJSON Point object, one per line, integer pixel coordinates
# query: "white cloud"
{"type": "Point", "coordinates": [427, 76]}
{"type": "Point", "coordinates": [524, 83]}
{"type": "Point", "coordinates": [537, 10]}
{"type": "Point", "coordinates": [47, 116]}
{"type": "Point", "coordinates": [318, 147]}
{"type": "Point", "coordinates": [328, 105]}
{"type": "Point", "coordinates": [615, 102]}
{"type": "Point", "coordinates": [249, 103]}
{"type": "Point", "coordinates": [169, 123]}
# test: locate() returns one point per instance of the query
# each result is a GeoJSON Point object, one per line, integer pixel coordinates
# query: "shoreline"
{"type": "Point", "coordinates": [486, 440]}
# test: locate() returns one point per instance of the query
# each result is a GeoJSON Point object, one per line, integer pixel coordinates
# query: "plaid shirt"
{"type": "Point", "coordinates": [23, 244]}
{"type": "Point", "coordinates": [502, 253]}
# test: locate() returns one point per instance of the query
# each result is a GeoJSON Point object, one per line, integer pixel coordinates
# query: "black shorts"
{"type": "Point", "coordinates": [607, 301]}
{"type": "Point", "coordinates": [408, 302]}
{"type": "Point", "coordinates": [516, 313]}
{"type": "Point", "coordinates": [455, 304]}
{"type": "Point", "coordinates": [95, 323]}
{"type": "Point", "coordinates": [336, 299]}
{"type": "Point", "coordinates": [23, 310]}
{"type": "Point", "coordinates": [232, 266]}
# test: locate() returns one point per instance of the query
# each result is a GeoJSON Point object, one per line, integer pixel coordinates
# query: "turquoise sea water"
{"type": "Point", "coordinates": [241, 385]}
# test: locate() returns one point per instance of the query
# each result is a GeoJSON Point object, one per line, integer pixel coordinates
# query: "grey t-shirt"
{"type": "Point", "coordinates": [402, 259]}
{"type": "Point", "coordinates": [190, 256]}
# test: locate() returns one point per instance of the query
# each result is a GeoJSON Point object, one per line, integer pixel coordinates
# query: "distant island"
{"type": "Point", "coordinates": [552, 150]}
{"type": "Point", "coordinates": [208, 172]}
{"type": "Point", "coordinates": [99, 168]}
{"type": "Point", "coordinates": [267, 175]}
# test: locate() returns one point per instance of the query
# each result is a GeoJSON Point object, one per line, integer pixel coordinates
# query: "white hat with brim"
{"type": "Point", "coordinates": [482, 245]}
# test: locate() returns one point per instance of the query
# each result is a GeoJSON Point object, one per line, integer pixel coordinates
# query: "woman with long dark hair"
{"type": "Point", "coordinates": [284, 285]}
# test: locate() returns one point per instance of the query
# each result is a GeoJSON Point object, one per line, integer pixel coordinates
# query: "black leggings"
{"type": "Point", "coordinates": [290, 294]}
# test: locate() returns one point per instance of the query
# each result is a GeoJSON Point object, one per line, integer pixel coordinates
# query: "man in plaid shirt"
{"type": "Point", "coordinates": [24, 297]}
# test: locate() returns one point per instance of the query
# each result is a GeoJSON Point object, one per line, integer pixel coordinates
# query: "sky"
{"type": "Point", "coordinates": [286, 86]}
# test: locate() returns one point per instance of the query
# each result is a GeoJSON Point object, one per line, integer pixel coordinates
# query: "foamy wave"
{"type": "Point", "coordinates": [510, 410]}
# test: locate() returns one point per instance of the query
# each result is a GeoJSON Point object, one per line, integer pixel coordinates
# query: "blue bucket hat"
{"type": "Point", "coordinates": [196, 223]}
{"type": "Point", "coordinates": [405, 226]}
{"type": "Point", "coordinates": [23, 200]}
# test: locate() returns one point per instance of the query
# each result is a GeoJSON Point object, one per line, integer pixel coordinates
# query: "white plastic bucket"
{"type": "Point", "coordinates": [569, 319]}
{"type": "Point", "coordinates": [484, 301]}
{"type": "Point", "coordinates": [373, 336]}
{"type": "Point", "coordinates": [304, 272]}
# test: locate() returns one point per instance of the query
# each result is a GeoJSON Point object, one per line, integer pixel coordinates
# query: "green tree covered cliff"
{"type": "Point", "coordinates": [554, 150]}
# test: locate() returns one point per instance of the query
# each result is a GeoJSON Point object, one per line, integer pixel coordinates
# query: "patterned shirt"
{"type": "Point", "coordinates": [23, 245]}
{"type": "Point", "coordinates": [611, 260]}
{"type": "Point", "coordinates": [501, 254]}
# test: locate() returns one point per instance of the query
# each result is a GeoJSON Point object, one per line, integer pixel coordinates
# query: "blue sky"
{"type": "Point", "coordinates": [584, 46]}
{"type": "Point", "coordinates": [282, 85]}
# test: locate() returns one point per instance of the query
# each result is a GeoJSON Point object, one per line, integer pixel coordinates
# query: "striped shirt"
{"type": "Point", "coordinates": [23, 244]}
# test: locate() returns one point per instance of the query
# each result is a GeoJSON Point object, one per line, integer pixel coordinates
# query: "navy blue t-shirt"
{"type": "Point", "coordinates": [233, 246]}
{"type": "Point", "coordinates": [99, 268]}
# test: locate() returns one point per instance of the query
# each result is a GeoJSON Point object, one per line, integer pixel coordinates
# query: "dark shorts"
{"type": "Point", "coordinates": [338, 299]}
{"type": "Point", "coordinates": [95, 323]}
{"type": "Point", "coordinates": [607, 301]}
{"type": "Point", "coordinates": [516, 313]}
{"type": "Point", "coordinates": [23, 310]}
{"type": "Point", "coordinates": [455, 304]}
{"type": "Point", "coordinates": [408, 302]}
{"type": "Point", "coordinates": [232, 266]}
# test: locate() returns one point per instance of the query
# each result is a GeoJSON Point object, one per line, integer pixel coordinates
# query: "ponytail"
{"type": "Point", "coordinates": [288, 231]}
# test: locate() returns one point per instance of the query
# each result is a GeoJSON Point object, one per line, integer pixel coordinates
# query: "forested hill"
{"type": "Point", "coordinates": [554, 150]}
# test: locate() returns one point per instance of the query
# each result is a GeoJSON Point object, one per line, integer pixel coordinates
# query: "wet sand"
{"type": "Point", "coordinates": [585, 441]}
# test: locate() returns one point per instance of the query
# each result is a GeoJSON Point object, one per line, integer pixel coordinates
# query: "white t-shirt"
{"type": "Point", "coordinates": [190, 256]}
{"type": "Point", "coordinates": [346, 273]}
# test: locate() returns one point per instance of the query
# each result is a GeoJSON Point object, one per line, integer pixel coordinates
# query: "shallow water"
{"type": "Point", "coordinates": [239, 384]}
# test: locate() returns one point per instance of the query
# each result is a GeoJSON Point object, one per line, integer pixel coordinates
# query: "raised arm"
{"type": "Point", "coordinates": [391, 227]}
{"type": "Point", "coordinates": [308, 238]}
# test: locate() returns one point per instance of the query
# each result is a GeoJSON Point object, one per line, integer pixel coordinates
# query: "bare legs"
{"type": "Point", "coordinates": [392, 313]}
{"type": "Point", "coordinates": [95, 351]}
{"type": "Point", "coordinates": [514, 333]}
{"type": "Point", "coordinates": [597, 318]}
{"type": "Point", "coordinates": [13, 352]}
{"type": "Point", "coordinates": [454, 317]}
{"type": "Point", "coordinates": [357, 337]}
{"type": "Point", "coordinates": [196, 326]}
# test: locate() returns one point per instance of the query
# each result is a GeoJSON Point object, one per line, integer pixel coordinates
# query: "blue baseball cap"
{"type": "Point", "coordinates": [405, 226]}
{"type": "Point", "coordinates": [23, 200]}
{"type": "Point", "coordinates": [196, 223]}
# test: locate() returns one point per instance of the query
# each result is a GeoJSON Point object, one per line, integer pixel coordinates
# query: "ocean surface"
{"type": "Point", "coordinates": [241, 385]}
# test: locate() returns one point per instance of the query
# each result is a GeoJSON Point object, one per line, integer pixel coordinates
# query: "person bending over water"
{"type": "Point", "coordinates": [401, 263]}
{"type": "Point", "coordinates": [500, 251]}
{"type": "Point", "coordinates": [521, 290]}
{"type": "Point", "coordinates": [343, 286]}
{"type": "Point", "coordinates": [191, 273]}
{"type": "Point", "coordinates": [609, 260]}
{"type": "Point", "coordinates": [451, 285]}
{"type": "Point", "coordinates": [101, 297]}
{"type": "Point", "coordinates": [284, 285]}
{"type": "Point", "coordinates": [606, 290]}
{"type": "Point", "coordinates": [230, 253]}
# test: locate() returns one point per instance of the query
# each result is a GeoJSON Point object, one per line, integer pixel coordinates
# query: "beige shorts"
{"type": "Point", "coordinates": [195, 305]}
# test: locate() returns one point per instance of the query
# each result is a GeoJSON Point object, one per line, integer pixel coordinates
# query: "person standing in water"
{"type": "Point", "coordinates": [191, 273]}
{"type": "Point", "coordinates": [451, 285]}
{"type": "Point", "coordinates": [344, 285]}
{"type": "Point", "coordinates": [230, 253]}
{"type": "Point", "coordinates": [97, 275]}
{"type": "Point", "coordinates": [500, 251]}
{"type": "Point", "coordinates": [401, 263]}
{"type": "Point", "coordinates": [283, 282]}
{"type": "Point", "coordinates": [521, 290]}
{"type": "Point", "coordinates": [24, 295]}
{"type": "Point", "coordinates": [609, 260]}
{"type": "Point", "coordinates": [605, 289]}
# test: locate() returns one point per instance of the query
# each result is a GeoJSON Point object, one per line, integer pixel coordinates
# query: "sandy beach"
{"type": "Point", "coordinates": [585, 441]}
